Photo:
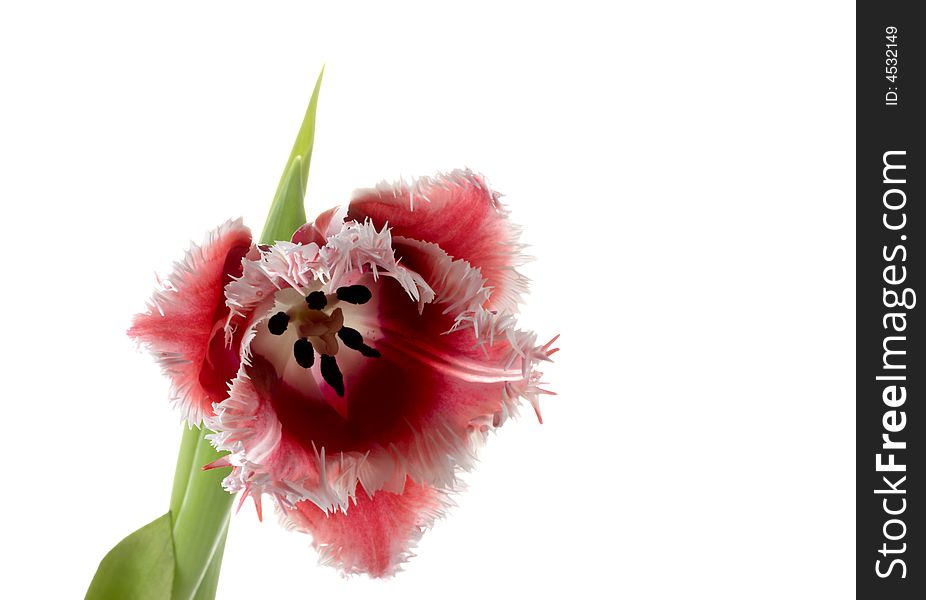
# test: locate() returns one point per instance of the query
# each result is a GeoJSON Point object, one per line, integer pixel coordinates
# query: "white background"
{"type": "Point", "coordinates": [685, 173]}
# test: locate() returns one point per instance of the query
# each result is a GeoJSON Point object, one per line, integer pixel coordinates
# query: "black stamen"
{"type": "Point", "coordinates": [369, 352]}
{"type": "Point", "coordinates": [332, 374]}
{"type": "Point", "coordinates": [278, 323]}
{"type": "Point", "coordinates": [304, 353]}
{"type": "Point", "coordinates": [355, 294]}
{"type": "Point", "coordinates": [316, 300]}
{"type": "Point", "coordinates": [351, 337]}
{"type": "Point", "coordinates": [353, 340]}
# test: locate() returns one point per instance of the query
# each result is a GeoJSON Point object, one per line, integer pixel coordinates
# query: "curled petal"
{"type": "Point", "coordinates": [376, 534]}
{"type": "Point", "coordinates": [461, 214]}
{"type": "Point", "coordinates": [325, 225]}
{"type": "Point", "coordinates": [182, 326]}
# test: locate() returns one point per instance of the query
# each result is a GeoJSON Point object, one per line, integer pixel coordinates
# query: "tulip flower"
{"type": "Point", "coordinates": [349, 372]}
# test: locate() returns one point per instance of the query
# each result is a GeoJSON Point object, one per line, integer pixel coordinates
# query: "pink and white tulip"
{"type": "Point", "coordinates": [353, 371]}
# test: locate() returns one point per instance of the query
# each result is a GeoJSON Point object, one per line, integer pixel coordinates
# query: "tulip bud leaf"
{"type": "Point", "coordinates": [287, 212]}
{"type": "Point", "coordinates": [141, 566]}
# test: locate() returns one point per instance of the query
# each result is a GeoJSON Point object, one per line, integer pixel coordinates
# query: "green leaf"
{"type": "Point", "coordinates": [140, 567]}
{"type": "Point", "coordinates": [287, 212]}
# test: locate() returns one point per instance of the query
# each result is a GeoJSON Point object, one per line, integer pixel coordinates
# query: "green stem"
{"type": "Point", "coordinates": [200, 522]}
{"type": "Point", "coordinates": [210, 582]}
{"type": "Point", "coordinates": [182, 472]}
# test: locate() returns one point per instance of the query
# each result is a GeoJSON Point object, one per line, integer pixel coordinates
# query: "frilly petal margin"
{"type": "Point", "coordinates": [459, 212]}
{"type": "Point", "coordinates": [182, 326]}
{"type": "Point", "coordinates": [376, 534]}
{"type": "Point", "coordinates": [507, 353]}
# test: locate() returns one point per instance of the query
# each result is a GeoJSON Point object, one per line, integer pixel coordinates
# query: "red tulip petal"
{"type": "Point", "coordinates": [459, 213]}
{"type": "Point", "coordinates": [183, 324]}
{"type": "Point", "coordinates": [375, 534]}
{"type": "Point", "coordinates": [497, 351]}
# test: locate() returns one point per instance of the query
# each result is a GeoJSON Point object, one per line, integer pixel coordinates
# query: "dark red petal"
{"type": "Point", "coordinates": [459, 213]}
{"type": "Point", "coordinates": [375, 535]}
{"type": "Point", "coordinates": [434, 376]}
{"type": "Point", "coordinates": [183, 326]}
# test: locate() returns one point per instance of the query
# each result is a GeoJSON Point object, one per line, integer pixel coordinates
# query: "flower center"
{"type": "Point", "coordinates": [318, 331]}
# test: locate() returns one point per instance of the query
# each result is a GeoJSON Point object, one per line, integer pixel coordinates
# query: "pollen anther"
{"type": "Point", "coordinates": [354, 294]}
{"type": "Point", "coordinates": [278, 323]}
{"type": "Point", "coordinates": [316, 300]}
{"type": "Point", "coordinates": [304, 353]}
